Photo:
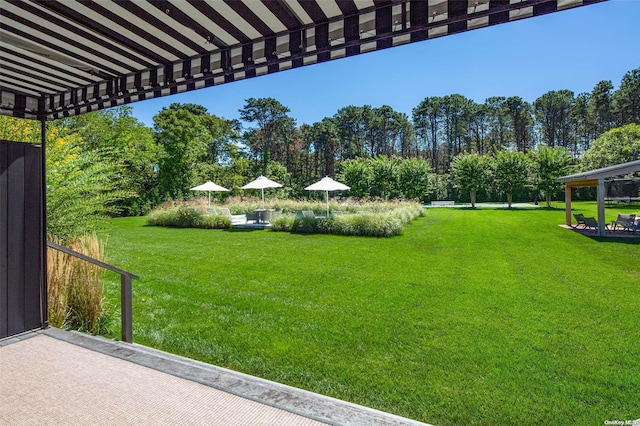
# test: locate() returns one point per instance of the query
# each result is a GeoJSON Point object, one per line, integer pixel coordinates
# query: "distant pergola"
{"type": "Point", "coordinates": [595, 178]}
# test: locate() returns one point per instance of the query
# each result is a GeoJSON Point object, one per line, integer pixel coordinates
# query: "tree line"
{"type": "Point", "coordinates": [441, 128]}
{"type": "Point", "coordinates": [129, 168]}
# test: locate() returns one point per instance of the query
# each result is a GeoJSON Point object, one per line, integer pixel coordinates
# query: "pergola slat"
{"type": "Point", "coordinates": [160, 47]}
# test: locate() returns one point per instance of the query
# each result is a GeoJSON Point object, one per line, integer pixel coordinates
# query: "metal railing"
{"type": "Point", "coordinates": [126, 297]}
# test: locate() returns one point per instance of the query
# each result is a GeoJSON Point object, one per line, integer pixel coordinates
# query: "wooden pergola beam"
{"type": "Point", "coordinates": [581, 183]}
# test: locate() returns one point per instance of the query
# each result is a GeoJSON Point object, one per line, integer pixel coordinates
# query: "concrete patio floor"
{"type": "Point", "coordinates": [56, 377]}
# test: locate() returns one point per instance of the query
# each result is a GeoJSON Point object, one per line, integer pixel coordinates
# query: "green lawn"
{"type": "Point", "coordinates": [469, 317]}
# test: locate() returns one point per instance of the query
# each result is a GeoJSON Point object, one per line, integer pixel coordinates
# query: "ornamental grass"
{"type": "Point", "coordinates": [184, 216]}
{"type": "Point", "coordinates": [375, 221]}
{"type": "Point", "coordinates": [359, 217]}
{"type": "Point", "coordinates": [76, 288]}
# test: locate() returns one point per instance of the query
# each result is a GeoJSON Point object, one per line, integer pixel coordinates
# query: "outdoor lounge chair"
{"type": "Point", "coordinates": [579, 219]}
{"type": "Point", "coordinates": [266, 216]}
{"type": "Point", "coordinates": [276, 214]}
{"type": "Point", "coordinates": [308, 213]}
{"type": "Point", "coordinates": [251, 216]}
{"type": "Point", "coordinates": [224, 211]}
{"type": "Point", "coordinates": [590, 222]}
{"type": "Point", "coordinates": [626, 221]}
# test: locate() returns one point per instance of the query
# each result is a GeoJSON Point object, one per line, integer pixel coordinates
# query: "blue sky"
{"type": "Point", "coordinates": [572, 49]}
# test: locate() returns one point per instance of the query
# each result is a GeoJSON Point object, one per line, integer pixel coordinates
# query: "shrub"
{"type": "Point", "coordinates": [368, 224]}
{"type": "Point", "coordinates": [357, 174]}
{"type": "Point", "coordinates": [283, 223]}
{"type": "Point", "coordinates": [215, 222]}
{"type": "Point", "coordinates": [511, 172]}
{"type": "Point", "coordinates": [415, 178]}
{"type": "Point", "coordinates": [470, 173]}
{"type": "Point", "coordinates": [161, 217]}
{"type": "Point", "coordinates": [388, 177]}
{"type": "Point", "coordinates": [440, 188]}
{"type": "Point", "coordinates": [187, 217]}
{"type": "Point", "coordinates": [305, 225]}
{"type": "Point", "coordinates": [384, 171]}
{"type": "Point", "coordinates": [238, 205]}
{"type": "Point", "coordinates": [184, 216]}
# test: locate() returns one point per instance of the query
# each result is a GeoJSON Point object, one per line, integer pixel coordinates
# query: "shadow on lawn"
{"type": "Point", "coordinates": [513, 209]}
{"type": "Point", "coordinates": [618, 240]}
{"type": "Point", "coordinates": [242, 229]}
{"type": "Point", "coordinates": [618, 237]}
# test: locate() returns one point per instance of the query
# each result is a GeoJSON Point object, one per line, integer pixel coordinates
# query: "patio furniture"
{"type": "Point", "coordinates": [224, 211]}
{"type": "Point", "coordinates": [265, 215]}
{"type": "Point", "coordinates": [276, 214]}
{"type": "Point", "coordinates": [444, 203]}
{"type": "Point", "coordinates": [590, 222]}
{"type": "Point", "coordinates": [579, 219]}
{"type": "Point", "coordinates": [253, 216]}
{"type": "Point", "coordinates": [626, 221]}
{"type": "Point", "coordinates": [308, 213]}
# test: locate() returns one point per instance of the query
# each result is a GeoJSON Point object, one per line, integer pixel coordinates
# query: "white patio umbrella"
{"type": "Point", "coordinates": [209, 186]}
{"type": "Point", "coordinates": [327, 184]}
{"type": "Point", "coordinates": [261, 183]}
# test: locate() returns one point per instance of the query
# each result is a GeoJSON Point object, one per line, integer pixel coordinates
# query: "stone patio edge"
{"type": "Point", "coordinates": [298, 401]}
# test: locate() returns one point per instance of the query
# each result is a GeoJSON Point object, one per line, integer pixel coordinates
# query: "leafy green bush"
{"type": "Point", "coordinates": [388, 177]}
{"type": "Point", "coordinates": [470, 173]}
{"type": "Point", "coordinates": [615, 146]}
{"type": "Point", "coordinates": [357, 174]}
{"type": "Point", "coordinates": [306, 225]}
{"type": "Point", "coordinates": [415, 178]}
{"type": "Point", "coordinates": [186, 217]}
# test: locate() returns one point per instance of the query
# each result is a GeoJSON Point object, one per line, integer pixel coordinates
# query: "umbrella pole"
{"type": "Point", "coordinates": [263, 198]}
{"type": "Point", "coordinates": [327, 203]}
{"type": "Point", "coordinates": [209, 198]}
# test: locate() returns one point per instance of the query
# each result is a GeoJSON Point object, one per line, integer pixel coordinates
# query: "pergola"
{"type": "Point", "coordinates": [595, 178]}
{"type": "Point", "coordinates": [64, 58]}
